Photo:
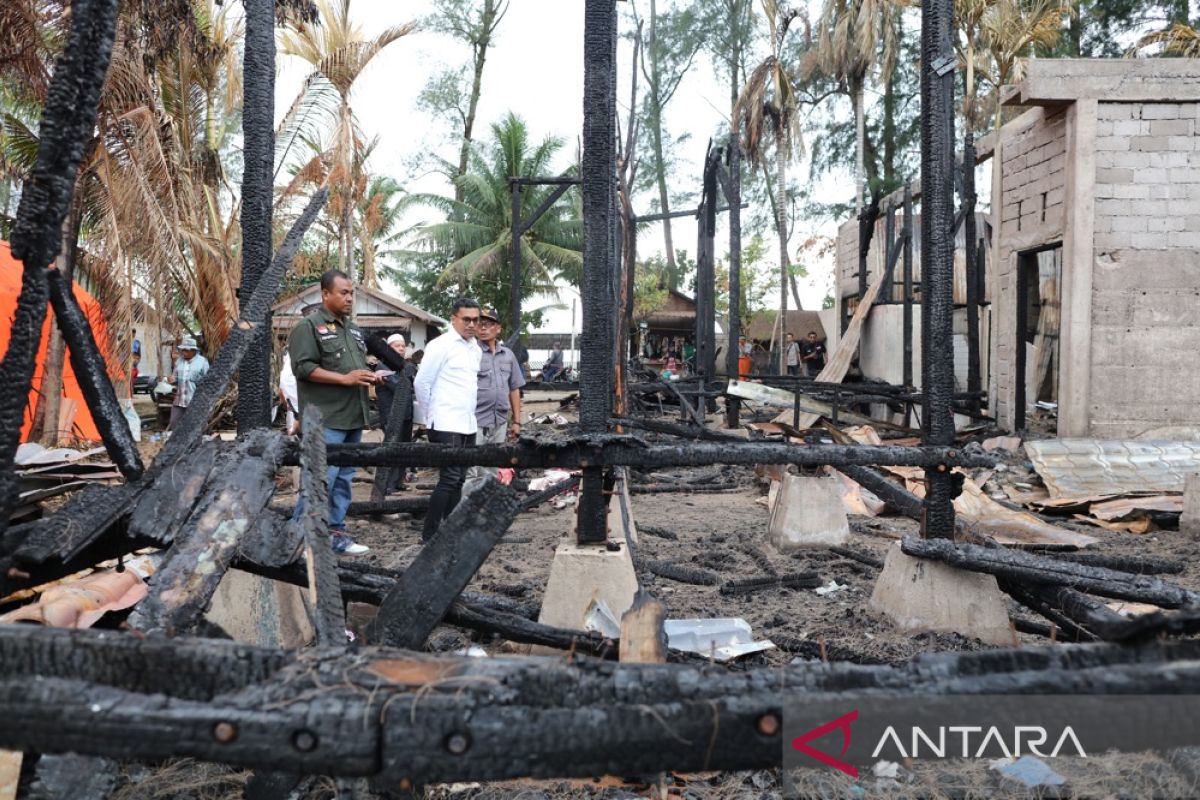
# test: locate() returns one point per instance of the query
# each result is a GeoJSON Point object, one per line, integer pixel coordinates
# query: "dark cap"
{"type": "Point", "coordinates": [489, 313]}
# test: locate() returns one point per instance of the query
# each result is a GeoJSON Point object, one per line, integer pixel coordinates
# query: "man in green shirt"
{"type": "Point", "coordinates": [329, 359]}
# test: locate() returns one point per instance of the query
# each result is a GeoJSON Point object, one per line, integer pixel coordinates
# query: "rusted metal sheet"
{"type": "Point", "coordinates": [1091, 467]}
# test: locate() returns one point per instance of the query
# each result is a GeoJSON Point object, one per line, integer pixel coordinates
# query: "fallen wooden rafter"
{"type": "Point", "coordinates": [418, 601]}
{"type": "Point", "coordinates": [401, 716]}
{"type": "Point", "coordinates": [1029, 568]}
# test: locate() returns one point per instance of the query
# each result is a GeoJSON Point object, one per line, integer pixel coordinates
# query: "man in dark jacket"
{"type": "Point", "coordinates": [329, 359]}
{"type": "Point", "coordinates": [385, 397]}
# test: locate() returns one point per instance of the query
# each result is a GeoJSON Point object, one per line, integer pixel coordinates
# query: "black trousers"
{"type": "Point", "coordinates": [448, 491]}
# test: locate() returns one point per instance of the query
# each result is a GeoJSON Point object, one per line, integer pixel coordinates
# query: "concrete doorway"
{"type": "Point", "coordinates": [1039, 317]}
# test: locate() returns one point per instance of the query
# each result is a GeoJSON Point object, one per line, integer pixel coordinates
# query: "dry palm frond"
{"type": "Point", "coordinates": [1012, 29]}
{"type": "Point", "coordinates": [336, 47]}
{"type": "Point", "coordinates": [1180, 41]}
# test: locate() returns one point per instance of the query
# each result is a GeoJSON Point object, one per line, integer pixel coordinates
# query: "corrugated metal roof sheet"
{"type": "Point", "coordinates": [1092, 467]}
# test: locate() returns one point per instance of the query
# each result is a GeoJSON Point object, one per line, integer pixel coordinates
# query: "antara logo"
{"type": "Point", "coordinates": [967, 741]}
{"type": "Point", "coordinates": [842, 723]}
{"type": "Point", "coordinates": [1024, 738]}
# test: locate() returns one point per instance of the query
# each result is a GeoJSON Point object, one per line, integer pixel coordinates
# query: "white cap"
{"type": "Point", "coordinates": [396, 337]}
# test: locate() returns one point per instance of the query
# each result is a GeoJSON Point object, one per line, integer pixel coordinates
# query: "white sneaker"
{"type": "Point", "coordinates": [343, 545]}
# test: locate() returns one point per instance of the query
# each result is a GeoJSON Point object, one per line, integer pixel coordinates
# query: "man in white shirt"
{"type": "Point", "coordinates": [446, 388]}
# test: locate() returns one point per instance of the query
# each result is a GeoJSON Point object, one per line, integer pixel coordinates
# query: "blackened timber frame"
{"type": "Point", "coordinates": [599, 189]}
{"type": "Point", "coordinates": [519, 227]}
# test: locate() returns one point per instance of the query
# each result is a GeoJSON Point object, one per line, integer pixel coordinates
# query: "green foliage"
{"type": "Point", "coordinates": [679, 277]}
{"type": "Point", "coordinates": [649, 294]}
{"type": "Point", "coordinates": [468, 251]}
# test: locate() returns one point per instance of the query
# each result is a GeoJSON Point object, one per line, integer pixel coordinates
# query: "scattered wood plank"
{"type": "Point", "coordinates": [205, 547]}
{"type": "Point", "coordinates": [643, 637]}
{"type": "Point", "coordinates": [419, 600]}
{"type": "Point", "coordinates": [1021, 566]}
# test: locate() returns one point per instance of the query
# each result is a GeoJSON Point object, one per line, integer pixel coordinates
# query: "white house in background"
{"type": "Point", "coordinates": [561, 322]}
{"type": "Point", "coordinates": [376, 312]}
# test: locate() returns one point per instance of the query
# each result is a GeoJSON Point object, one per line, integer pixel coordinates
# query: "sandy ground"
{"type": "Point", "coordinates": [726, 533]}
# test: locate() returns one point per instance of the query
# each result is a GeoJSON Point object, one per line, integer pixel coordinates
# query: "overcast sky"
{"type": "Point", "coordinates": [535, 69]}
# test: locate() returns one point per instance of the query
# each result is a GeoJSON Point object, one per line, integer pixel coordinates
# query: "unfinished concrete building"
{"type": "Point", "coordinates": [1091, 269]}
{"type": "Point", "coordinates": [1102, 172]}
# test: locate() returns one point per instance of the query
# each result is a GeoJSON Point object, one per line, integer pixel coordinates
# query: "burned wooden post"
{"type": "Point", "coordinates": [444, 567]}
{"type": "Point", "coordinates": [324, 587]}
{"type": "Point", "coordinates": [974, 379]}
{"type": "Point", "coordinates": [937, 258]}
{"type": "Point", "coordinates": [734, 199]}
{"type": "Point", "coordinates": [599, 302]}
{"type": "Point", "coordinates": [706, 231]}
{"type": "Point", "coordinates": [92, 374]}
{"type": "Point", "coordinates": [258, 175]}
{"type": "Point", "coordinates": [908, 295]}
{"type": "Point", "coordinates": [67, 125]}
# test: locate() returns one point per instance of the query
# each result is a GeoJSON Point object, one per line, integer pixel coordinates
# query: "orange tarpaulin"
{"type": "Point", "coordinates": [10, 288]}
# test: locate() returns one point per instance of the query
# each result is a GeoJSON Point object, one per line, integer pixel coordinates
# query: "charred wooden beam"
{"type": "Point", "coordinates": [534, 500]}
{"type": "Point", "coordinates": [1141, 565]}
{"type": "Point", "coordinates": [164, 506]}
{"type": "Point", "coordinates": [937, 259]}
{"type": "Point", "coordinates": [631, 452]}
{"type": "Point", "coordinates": [415, 719]}
{"type": "Point", "coordinates": [682, 573]}
{"type": "Point", "coordinates": [80, 526]}
{"type": "Point", "coordinates": [795, 580]}
{"type": "Point", "coordinates": [1026, 567]}
{"type": "Point", "coordinates": [257, 200]}
{"type": "Point", "coordinates": [189, 669]}
{"type": "Point", "coordinates": [324, 587]}
{"type": "Point", "coordinates": [419, 600]}
{"type": "Point", "coordinates": [518, 629]}
{"type": "Point", "coordinates": [251, 325]}
{"type": "Point", "coordinates": [92, 374]}
{"type": "Point", "coordinates": [66, 127]}
{"type": "Point", "coordinates": [687, 431]}
{"type": "Point", "coordinates": [1039, 598]}
{"type": "Point", "coordinates": [205, 547]}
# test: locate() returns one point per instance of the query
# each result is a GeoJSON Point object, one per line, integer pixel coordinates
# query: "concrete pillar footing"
{"type": "Point", "coordinates": [920, 595]}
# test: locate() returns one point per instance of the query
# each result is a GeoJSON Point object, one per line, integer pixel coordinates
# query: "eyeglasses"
{"type": "Point", "coordinates": [469, 320]}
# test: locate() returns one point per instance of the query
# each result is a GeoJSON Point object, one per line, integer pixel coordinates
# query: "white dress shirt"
{"type": "Point", "coordinates": [447, 383]}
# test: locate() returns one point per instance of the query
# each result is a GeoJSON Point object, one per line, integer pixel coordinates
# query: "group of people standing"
{"type": "Point", "coordinates": [809, 354]}
{"type": "Point", "coordinates": [466, 390]}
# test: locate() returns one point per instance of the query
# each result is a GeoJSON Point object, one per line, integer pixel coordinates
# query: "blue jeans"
{"type": "Point", "coordinates": [337, 479]}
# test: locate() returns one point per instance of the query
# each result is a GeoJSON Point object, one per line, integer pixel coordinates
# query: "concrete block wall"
{"type": "Point", "coordinates": [1029, 181]}
{"type": "Point", "coordinates": [1145, 342]}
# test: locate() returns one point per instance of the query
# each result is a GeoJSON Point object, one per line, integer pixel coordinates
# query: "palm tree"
{"type": "Point", "coordinates": [480, 225]}
{"type": "Point", "coordinates": [1178, 41]}
{"type": "Point", "coordinates": [1011, 31]}
{"type": "Point", "coordinates": [767, 110]}
{"type": "Point", "coordinates": [338, 50]}
{"type": "Point", "coordinates": [379, 211]}
{"type": "Point", "coordinates": [851, 36]}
